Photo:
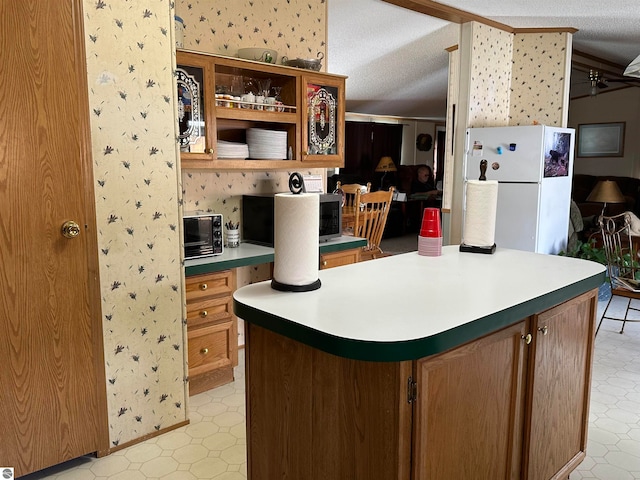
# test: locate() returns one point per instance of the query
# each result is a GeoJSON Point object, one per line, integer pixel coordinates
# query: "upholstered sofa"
{"type": "Point", "coordinates": [582, 185]}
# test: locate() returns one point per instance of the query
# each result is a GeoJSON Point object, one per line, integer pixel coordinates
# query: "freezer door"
{"type": "Point", "coordinates": [517, 216]}
{"type": "Point", "coordinates": [524, 163]}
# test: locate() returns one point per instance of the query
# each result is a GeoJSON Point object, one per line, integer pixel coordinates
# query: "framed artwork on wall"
{"type": "Point", "coordinates": [601, 139]}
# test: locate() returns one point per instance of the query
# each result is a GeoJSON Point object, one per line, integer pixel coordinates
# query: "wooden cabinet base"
{"type": "Point", "coordinates": [512, 405]}
{"type": "Point", "coordinates": [207, 381]}
{"type": "Point", "coordinates": [313, 416]}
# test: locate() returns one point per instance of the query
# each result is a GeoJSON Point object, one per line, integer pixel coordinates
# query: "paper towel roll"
{"type": "Point", "coordinates": [296, 241]}
{"type": "Point", "coordinates": [480, 213]}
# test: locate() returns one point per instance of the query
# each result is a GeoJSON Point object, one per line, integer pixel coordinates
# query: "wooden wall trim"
{"type": "Point", "coordinates": [445, 12]}
{"type": "Point", "coordinates": [594, 58]}
{"type": "Point", "coordinates": [545, 30]}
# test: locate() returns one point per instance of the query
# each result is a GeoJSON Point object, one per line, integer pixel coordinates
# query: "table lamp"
{"type": "Point", "coordinates": [606, 191]}
{"type": "Point", "coordinates": [385, 165]}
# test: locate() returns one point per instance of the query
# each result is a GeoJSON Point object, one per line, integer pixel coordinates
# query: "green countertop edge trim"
{"type": "Point", "coordinates": [227, 264]}
{"type": "Point", "coordinates": [217, 266]}
{"type": "Point", "coordinates": [339, 247]}
{"type": "Point", "coordinates": [419, 348]}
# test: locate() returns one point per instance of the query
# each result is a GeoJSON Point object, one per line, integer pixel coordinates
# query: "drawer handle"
{"type": "Point", "coordinates": [204, 313]}
{"type": "Point", "coordinates": [324, 264]}
{"type": "Point", "coordinates": [204, 351]}
{"type": "Point", "coordinates": [203, 286]}
{"type": "Point", "coordinates": [544, 330]}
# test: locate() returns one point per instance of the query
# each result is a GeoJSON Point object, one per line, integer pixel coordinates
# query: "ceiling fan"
{"type": "Point", "coordinates": [597, 81]}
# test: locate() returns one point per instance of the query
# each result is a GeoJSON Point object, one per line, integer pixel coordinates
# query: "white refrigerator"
{"type": "Point", "coordinates": [533, 166]}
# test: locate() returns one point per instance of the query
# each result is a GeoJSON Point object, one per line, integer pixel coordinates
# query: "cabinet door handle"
{"type": "Point", "coordinates": [527, 338]}
{"type": "Point", "coordinates": [544, 330]}
{"type": "Point", "coordinates": [204, 313]}
{"type": "Point", "coordinates": [210, 150]}
{"type": "Point", "coordinates": [203, 286]}
{"type": "Point", "coordinates": [204, 351]}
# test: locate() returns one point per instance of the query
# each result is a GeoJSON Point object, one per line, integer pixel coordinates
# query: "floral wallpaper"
{"type": "Point", "coordinates": [490, 76]}
{"type": "Point", "coordinates": [292, 28]}
{"type": "Point", "coordinates": [129, 47]}
{"type": "Point", "coordinates": [540, 80]}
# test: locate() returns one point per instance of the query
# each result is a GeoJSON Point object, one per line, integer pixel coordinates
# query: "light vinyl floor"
{"type": "Point", "coordinates": [213, 445]}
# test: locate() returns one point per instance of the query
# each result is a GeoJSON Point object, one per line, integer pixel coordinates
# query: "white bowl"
{"type": "Point", "coordinates": [258, 54]}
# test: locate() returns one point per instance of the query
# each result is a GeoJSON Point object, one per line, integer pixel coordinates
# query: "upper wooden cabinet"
{"type": "Point", "coordinates": [310, 110]}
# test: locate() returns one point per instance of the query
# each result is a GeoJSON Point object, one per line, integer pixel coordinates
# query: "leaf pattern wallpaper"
{"type": "Point", "coordinates": [518, 79]}
{"type": "Point", "coordinates": [490, 76]}
{"type": "Point", "coordinates": [130, 76]}
{"type": "Point", "coordinates": [540, 80]}
{"type": "Point", "coordinates": [292, 28]}
{"type": "Point", "coordinates": [130, 49]}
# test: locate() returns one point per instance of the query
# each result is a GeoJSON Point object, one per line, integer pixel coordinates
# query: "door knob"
{"type": "Point", "coordinates": [70, 229]}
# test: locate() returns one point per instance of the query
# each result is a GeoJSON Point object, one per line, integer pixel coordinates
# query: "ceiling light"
{"type": "Point", "coordinates": [594, 78]}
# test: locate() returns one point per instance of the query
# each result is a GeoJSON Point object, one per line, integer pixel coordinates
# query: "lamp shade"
{"type": "Point", "coordinates": [386, 165]}
{"type": "Point", "coordinates": [606, 191]}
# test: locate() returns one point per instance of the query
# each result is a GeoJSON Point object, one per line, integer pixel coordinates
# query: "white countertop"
{"type": "Point", "coordinates": [409, 297]}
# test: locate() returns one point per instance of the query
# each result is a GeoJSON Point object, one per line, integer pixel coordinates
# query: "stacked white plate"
{"type": "Point", "coordinates": [267, 144]}
{"type": "Point", "coordinates": [232, 150]}
{"type": "Point", "coordinates": [429, 246]}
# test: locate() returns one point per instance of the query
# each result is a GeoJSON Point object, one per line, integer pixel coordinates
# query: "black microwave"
{"type": "Point", "coordinates": [258, 218]}
{"type": "Point", "coordinates": [202, 234]}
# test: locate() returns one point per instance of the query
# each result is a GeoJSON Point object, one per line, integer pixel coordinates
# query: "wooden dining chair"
{"type": "Point", "coordinates": [348, 208]}
{"type": "Point", "coordinates": [371, 214]}
{"type": "Point", "coordinates": [623, 264]}
{"type": "Point", "coordinates": [350, 190]}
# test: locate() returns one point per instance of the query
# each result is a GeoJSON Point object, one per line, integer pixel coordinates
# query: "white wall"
{"type": "Point", "coordinates": [621, 105]}
{"type": "Point", "coordinates": [410, 154]}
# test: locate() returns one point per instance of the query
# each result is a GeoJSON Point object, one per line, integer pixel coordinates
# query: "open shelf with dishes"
{"type": "Point", "coordinates": [278, 117]}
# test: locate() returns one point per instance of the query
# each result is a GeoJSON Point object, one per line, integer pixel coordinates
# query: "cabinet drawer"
{"type": "Point", "coordinates": [337, 259]}
{"type": "Point", "coordinates": [210, 348]}
{"type": "Point", "coordinates": [210, 310]}
{"type": "Point", "coordinates": [210, 285]}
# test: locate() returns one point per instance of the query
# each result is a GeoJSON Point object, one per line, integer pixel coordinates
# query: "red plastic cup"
{"type": "Point", "coordinates": [431, 223]}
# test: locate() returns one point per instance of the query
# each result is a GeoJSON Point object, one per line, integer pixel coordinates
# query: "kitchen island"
{"type": "Point", "coordinates": [410, 367]}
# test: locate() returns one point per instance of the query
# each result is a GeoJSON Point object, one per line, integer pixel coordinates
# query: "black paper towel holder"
{"type": "Point", "coordinates": [473, 248]}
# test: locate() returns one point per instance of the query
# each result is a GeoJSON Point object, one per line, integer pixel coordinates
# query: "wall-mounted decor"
{"type": "Point", "coordinates": [424, 141]}
{"type": "Point", "coordinates": [601, 139]}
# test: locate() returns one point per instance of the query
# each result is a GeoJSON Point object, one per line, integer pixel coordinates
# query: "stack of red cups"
{"type": "Point", "coordinates": [430, 238]}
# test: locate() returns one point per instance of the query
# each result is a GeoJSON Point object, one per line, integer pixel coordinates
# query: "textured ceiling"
{"type": "Point", "coordinates": [396, 59]}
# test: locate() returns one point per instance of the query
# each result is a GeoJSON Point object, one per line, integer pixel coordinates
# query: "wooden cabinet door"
{"type": "Point", "coordinates": [194, 83]}
{"type": "Point", "coordinates": [468, 416]}
{"type": "Point", "coordinates": [337, 259]}
{"type": "Point", "coordinates": [559, 388]}
{"type": "Point", "coordinates": [52, 381]}
{"type": "Point", "coordinates": [323, 119]}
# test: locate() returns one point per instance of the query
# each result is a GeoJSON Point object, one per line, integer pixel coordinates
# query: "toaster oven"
{"type": "Point", "coordinates": [202, 234]}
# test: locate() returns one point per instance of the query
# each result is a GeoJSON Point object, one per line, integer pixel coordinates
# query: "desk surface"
{"type": "Point", "coordinates": [409, 306]}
